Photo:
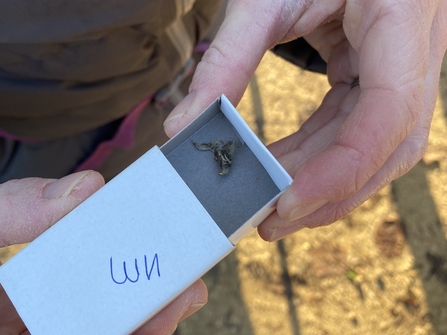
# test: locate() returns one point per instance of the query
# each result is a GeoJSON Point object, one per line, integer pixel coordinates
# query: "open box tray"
{"type": "Point", "coordinates": [132, 247]}
{"type": "Point", "coordinates": [243, 198]}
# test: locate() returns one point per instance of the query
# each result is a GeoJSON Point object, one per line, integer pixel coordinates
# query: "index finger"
{"type": "Point", "coordinates": [227, 66]}
{"type": "Point", "coordinates": [250, 28]}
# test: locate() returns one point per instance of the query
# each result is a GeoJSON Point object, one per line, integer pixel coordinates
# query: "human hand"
{"type": "Point", "coordinates": [30, 206]}
{"type": "Point", "coordinates": [359, 139]}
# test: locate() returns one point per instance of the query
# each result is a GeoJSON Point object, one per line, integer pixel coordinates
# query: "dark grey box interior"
{"type": "Point", "coordinates": [230, 200]}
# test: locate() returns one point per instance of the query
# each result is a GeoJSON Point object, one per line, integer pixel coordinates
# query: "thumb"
{"type": "Point", "coordinates": [30, 206]}
{"type": "Point", "coordinates": [229, 63]}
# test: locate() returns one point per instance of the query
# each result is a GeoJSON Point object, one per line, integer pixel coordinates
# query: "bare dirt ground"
{"type": "Point", "coordinates": [380, 270]}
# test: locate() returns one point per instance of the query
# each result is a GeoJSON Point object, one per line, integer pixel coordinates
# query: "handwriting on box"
{"type": "Point", "coordinates": [155, 264]}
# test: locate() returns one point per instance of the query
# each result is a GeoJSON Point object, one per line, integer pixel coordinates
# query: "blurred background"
{"type": "Point", "coordinates": [380, 270]}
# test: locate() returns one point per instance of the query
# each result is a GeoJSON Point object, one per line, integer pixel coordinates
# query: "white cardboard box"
{"type": "Point", "coordinates": [132, 247]}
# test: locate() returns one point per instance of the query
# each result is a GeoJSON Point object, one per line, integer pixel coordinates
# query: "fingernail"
{"type": "Point", "coordinates": [279, 233]}
{"type": "Point", "coordinates": [180, 110]}
{"type": "Point", "coordinates": [191, 310]}
{"type": "Point", "coordinates": [305, 209]}
{"type": "Point", "coordinates": [63, 187]}
{"type": "Point", "coordinates": [273, 236]}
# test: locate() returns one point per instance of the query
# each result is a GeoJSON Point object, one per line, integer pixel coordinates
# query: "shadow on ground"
{"type": "Point", "coordinates": [426, 238]}
{"type": "Point", "coordinates": [225, 312]}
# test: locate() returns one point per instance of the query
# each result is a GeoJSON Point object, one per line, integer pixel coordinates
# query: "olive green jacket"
{"type": "Point", "coordinates": [70, 66]}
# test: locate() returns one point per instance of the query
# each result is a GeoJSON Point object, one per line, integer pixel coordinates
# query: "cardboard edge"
{"type": "Point", "coordinates": [201, 120]}
{"type": "Point", "coordinates": [279, 175]}
{"type": "Point", "coordinates": [275, 170]}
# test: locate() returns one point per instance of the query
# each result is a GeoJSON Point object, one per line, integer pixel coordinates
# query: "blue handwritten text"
{"type": "Point", "coordinates": [136, 276]}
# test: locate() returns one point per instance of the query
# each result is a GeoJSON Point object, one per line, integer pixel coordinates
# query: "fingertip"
{"type": "Point", "coordinates": [301, 210]}
{"type": "Point", "coordinates": [200, 292]}
{"type": "Point", "coordinates": [166, 321]}
{"type": "Point", "coordinates": [300, 198]}
{"type": "Point", "coordinates": [201, 289]}
{"type": "Point", "coordinates": [274, 228]}
{"type": "Point", "coordinates": [63, 187]}
{"type": "Point", "coordinates": [89, 183]}
{"type": "Point", "coordinates": [265, 234]}
{"type": "Point", "coordinates": [291, 201]}
{"type": "Point", "coordinates": [94, 179]}
{"type": "Point", "coordinates": [181, 115]}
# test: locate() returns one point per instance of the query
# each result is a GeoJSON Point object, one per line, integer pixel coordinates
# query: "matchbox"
{"type": "Point", "coordinates": [122, 255]}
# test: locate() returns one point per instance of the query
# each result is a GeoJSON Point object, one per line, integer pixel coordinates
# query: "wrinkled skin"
{"type": "Point", "coordinates": [359, 139]}
{"type": "Point", "coordinates": [29, 206]}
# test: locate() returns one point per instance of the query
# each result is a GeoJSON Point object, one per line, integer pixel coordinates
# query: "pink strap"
{"type": "Point", "coordinates": [124, 138]}
{"type": "Point", "coordinates": [9, 136]}
{"type": "Point", "coordinates": [202, 47]}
